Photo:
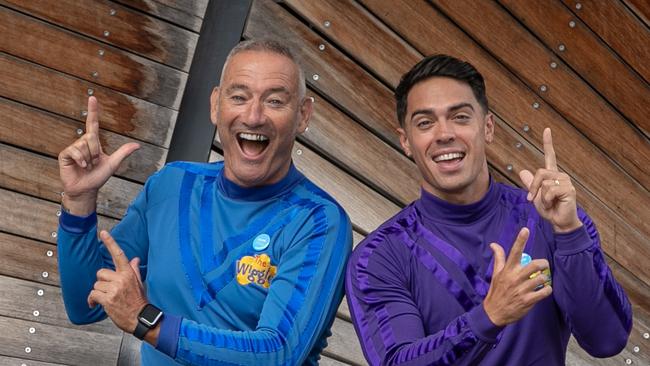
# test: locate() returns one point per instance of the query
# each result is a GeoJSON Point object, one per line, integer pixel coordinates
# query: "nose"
{"type": "Point", "coordinates": [445, 132]}
{"type": "Point", "coordinates": [254, 114]}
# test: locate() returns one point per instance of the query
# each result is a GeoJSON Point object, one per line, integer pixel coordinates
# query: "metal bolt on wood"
{"type": "Point", "coordinates": [321, 47]}
{"type": "Point", "coordinates": [94, 74]}
{"type": "Point", "coordinates": [543, 88]}
{"type": "Point", "coordinates": [53, 234]}
{"type": "Point", "coordinates": [636, 349]}
{"type": "Point", "coordinates": [646, 335]}
{"type": "Point", "coordinates": [628, 361]}
{"type": "Point", "coordinates": [519, 145]}
{"type": "Point", "coordinates": [90, 91]}
{"type": "Point", "coordinates": [79, 132]}
{"type": "Point", "coordinates": [315, 77]}
{"type": "Point", "coordinates": [327, 23]}
{"type": "Point", "coordinates": [509, 167]}
{"type": "Point", "coordinates": [107, 33]}
{"type": "Point", "coordinates": [40, 292]}
{"type": "Point", "coordinates": [553, 65]}
{"type": "Point", "coordinates": [578, 6]}
{"type": "Point", "coordinates": [36, 313]}
{"type": "Point", "coordinates": [536, 105]}
{"type": "Point", "coordinates": [299, 152]}
{"type": "Point", "coordinates": [113, 12]}
{"type": "Point", "coordinates": [561, 47]}
{"type": "Point", "coordinates": [572, 24]}
{"type": "Point", "coordinates": [101, 52]}
{"type": "Point", "coordinates": [58, 213]}
{"type": "Point", "coordinates": [84, 113]}
{"type": "Point", "coordinates": [28, 350]}
{"type": "Point", "coordinates": [526, 128]}
{"type": "Point", "coordinates": [32, 330]}
{"type": "Point", "coordinates": [49, 253]}
{"type": "Point", "coordinates": [45, 275]}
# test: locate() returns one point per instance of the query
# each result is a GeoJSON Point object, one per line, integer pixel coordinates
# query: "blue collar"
{"type": "Point", "coordinates": [234, 191]}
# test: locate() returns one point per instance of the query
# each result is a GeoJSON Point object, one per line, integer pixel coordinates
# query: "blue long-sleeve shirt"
{"type": "Point", "coordinates": [415, 287]}
{"type": "Point", "coordinates": [243, 276]}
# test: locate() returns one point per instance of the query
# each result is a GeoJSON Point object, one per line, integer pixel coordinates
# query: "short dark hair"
{"type": "Point", "coordinates": [444, 66]}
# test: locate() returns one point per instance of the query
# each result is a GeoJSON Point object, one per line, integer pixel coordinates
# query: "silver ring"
{"type": "Point", "coordinates": [557, 182]}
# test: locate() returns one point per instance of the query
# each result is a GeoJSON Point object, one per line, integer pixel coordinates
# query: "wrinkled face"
{"type": "Point", "coordinates": [446, 132]}
{"type": "Point", "coordinates": [258, 113]}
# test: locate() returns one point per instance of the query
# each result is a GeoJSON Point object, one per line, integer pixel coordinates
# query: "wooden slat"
{"type": "Point", "coordinates": [339, 78]}
{"type": "Point", "coordinates": [11, 361]}
{"type": "Point", "coordinates": [34, 218]}
{"type": "Point", "coordinates": [575, 100]}
{"type": "Point", "coordinates": [366, 208]}
{"type": "Point", "coordinates": [21, 298]}
{"type": "Point", "coordinates": [352, 146]}
{"type": "Point", "coordinates": [128, 29]}
{"type": "Point", "coordinates": [194, 7]}
{"type": "Point", "coordinates": [36, 175]}
{"type": "Point", "coordinates": [28, 259]}
{"type": "Point", "coordinates": [50, 46]}
{"type": "Point", "coordinates": [641, 8]}
{"type": "Point", "coordinates": [620, 29]}
{"type": "Point", "coordinates": [354, 29]}
{"type": "Point", "coordinates": [343, 344]}
{"type": "Point", "coordinates": [588, 56]}
{"type": "Point", "coordinates": [68, 96]}
{"type": "Point", "coordinates": [174, 15]}
{"type": "Point", "coordinates": [509, 100]}
{"type": "Point", "coordinates": [72, 346]}
{"type": "Point", "coordinates": [26, 127]}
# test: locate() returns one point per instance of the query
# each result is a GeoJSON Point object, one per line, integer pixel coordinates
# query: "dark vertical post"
{"type": "Point", "coordinates": [222, 28]}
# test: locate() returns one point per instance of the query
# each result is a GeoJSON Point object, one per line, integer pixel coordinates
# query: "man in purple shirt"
{"type": "Point", "coordinates": [431, 286]}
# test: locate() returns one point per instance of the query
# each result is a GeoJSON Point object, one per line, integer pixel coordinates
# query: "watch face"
{"type": "Point", "coordinates": [150, 315]}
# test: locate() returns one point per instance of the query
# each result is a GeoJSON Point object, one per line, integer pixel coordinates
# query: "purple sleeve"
{"type": "Point", "coordinates": [593, 303]}
{"type": "Point", "coordinates": [389, 325]}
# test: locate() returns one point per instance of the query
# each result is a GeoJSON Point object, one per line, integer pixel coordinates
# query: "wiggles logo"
{"type": "Point", "coordinates": [257, 270]}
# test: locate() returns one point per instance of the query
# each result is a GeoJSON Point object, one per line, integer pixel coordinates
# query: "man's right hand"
{"type": "Point", "coordinates": [84, 167]}
{"type": "Point", "coordinates": [512, 292]}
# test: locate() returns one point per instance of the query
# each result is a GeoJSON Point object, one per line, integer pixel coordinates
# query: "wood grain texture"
{"type": "Point", "coordinates": [509, 100]}
{"type": "Point", "coordinates": [24, 126]}
{"type": "Point", "coordinates": [619, 28]}
{"type": "Point", "coordinates": [335, 135]}
{"type": "Point", "coordinates": [28, 259]}
{"type": "Point", "coordinates": [339, 77]}
{"type": "Point", "coordinates": [35, 175]}
{"type": "Point", "coordinates": [34, 218]}
{"type": "Point", "coordinates": [21, 298]}
{"type": "Point", "coordinates": [171, 14]}
{"type": "Point", "coordinates": [366, 208]}
{"type": "Point", "coordinates": [68, 96]}
{"type": "Point", "coordinates": [361, 35]}
{"type": "Point", "coordinates": [11, 361]}
{"type": "Point", "coordinates": [588, 56]}
{"type": "Point", "coordinates": [128, 29]}
{"type": "Point", "coordinates": [71, 344]}
{"type": "Point", "coordinates": [569, 95]}
{"type": "Point", "coordinates": [641, 9]}
{"type": "Point", "coordinates": [50, 46]}
{"type": "Point", "coordinates": [343, 344]}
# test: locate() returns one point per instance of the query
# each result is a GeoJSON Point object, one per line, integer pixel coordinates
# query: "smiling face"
{"type": "Point", "coordinates": [258, 113]}
{"type": "Point", "coordinates": [446, 132]}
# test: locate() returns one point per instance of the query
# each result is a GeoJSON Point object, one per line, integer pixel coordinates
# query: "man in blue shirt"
{"type": "Point", "coordinates": [242, 261]}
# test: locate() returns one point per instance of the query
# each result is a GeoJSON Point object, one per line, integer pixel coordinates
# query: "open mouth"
{"type": "Point", "coordinates": [252, 144]}
{"type": "Point", "coordinates": [449, 158]}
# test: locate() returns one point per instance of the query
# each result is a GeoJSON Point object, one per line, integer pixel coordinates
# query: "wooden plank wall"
{"type": "Point", "coordinates": [134, 56]}
{"type": "Point", "coordinates": [579, 69]}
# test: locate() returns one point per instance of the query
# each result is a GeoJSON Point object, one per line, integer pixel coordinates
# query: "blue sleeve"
{"type": "Point", "coordinates": [298, 311]}
{"type": "Point", "coordinates": [585, 290]}
{"type": "Point", "coordinates": [81, 254]}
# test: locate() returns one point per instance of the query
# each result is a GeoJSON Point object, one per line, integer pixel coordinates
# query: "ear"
{"type": "Point", "coordinates": [214, 105]}
{"type": "Point", "coordinates": [306, 110]}
{"type": "Point", "coordinates": [489, 127]}
{"type": "Point", "coordinates": [404, 141]}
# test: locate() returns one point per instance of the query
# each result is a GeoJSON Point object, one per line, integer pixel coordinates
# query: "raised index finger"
{"type": "Point", "coordinates": [119, 258]}
{"type": "Point", "coordinates": [514, 258]}
{"type": "Point", "coordinates": [92, 119]}
{"type": "Point", "coordinates": [549, 152]}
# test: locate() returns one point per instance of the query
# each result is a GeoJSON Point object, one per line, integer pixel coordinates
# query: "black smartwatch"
{"type": "Point", "coordinates": [148, 318]}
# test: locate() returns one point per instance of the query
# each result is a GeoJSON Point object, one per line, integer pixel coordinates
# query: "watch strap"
{"type": "Point", "coordinates": [140, 330]}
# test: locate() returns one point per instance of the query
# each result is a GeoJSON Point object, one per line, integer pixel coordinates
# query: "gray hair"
{"type": "Point", "coordinates": [272, 46]}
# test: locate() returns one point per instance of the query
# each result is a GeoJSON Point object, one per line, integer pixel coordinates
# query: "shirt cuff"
{"type": "Point", "coordinates": [168, 337]}
{"type": "Point", "coordinates": [573, 242]}
{"type": "Point", "coordinates": [482, 326]}
{"type": "Point", "coordinates": [77, 224]}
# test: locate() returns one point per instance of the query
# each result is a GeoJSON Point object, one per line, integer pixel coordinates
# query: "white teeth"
{"type": "Point", "coordinates": [450, 156]}
{"type": "Point", "coordinates": [252, 137]}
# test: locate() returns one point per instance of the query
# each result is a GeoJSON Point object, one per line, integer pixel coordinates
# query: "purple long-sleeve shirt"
{"type": "Point", "coordinates": [415, 287]}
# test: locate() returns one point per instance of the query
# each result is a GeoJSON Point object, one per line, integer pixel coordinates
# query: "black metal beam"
{"type": "Point", "coordinates": [222, 28]}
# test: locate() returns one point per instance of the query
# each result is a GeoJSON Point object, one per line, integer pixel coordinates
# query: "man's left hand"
{"type": "Point", "coordinates": [120, 292]}
{"type": "Point", "coordinates": [552, 191]}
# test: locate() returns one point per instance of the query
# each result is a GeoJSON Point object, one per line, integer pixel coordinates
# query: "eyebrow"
{"type": "Point", "coordinates": [429, 111]}
{"type": "Point", "coordinates": [234, 87]}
